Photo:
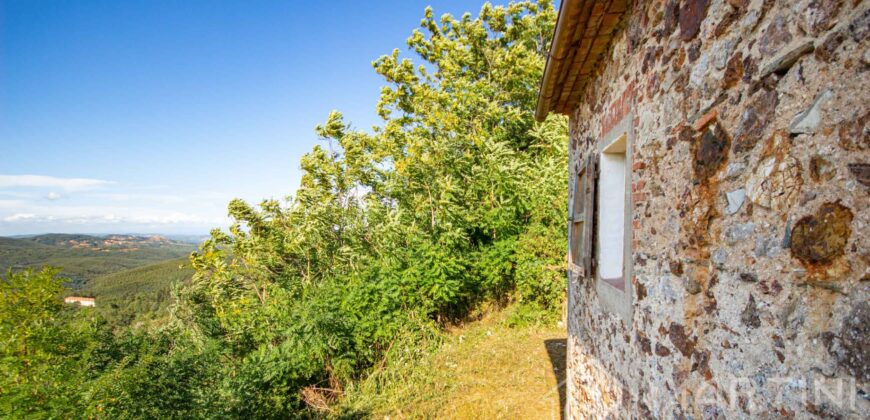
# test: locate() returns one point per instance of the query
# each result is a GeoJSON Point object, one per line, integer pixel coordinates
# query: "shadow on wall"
{"type": "Point", "coordinates": [557, 350]}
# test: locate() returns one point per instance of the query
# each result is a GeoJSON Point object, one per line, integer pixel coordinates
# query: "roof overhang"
{"type": "Point", "coordinates": [582, 36]}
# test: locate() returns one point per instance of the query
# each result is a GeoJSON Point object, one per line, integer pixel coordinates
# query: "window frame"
{"type": "Point", "coordinates": [613, 299]}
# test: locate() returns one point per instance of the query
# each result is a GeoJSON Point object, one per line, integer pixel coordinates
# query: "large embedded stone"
{"type": "Point", "coordinates": [855, 133]}
{"type": "Point", "coordinates": [818, 16]}
{"type": "Point", "coordinates": [776, 182]}
{"type": "Point", "coordinates": [733, 70]}
{"type": "Point", "coordinates": [782, 62]}
{"type": "Point", "coordinates": [722, 52]}
{"type": "Point", "coordinates": [711, 152]}
{"type": "Point", "coordinates": [680, 340]}
{"type": "Point", "coordinates": [699, 71]}
{"type": "Point", "coordinates": [754, 120]}
{"type": "Point", "coordinates": [726, 22]}
{"type": "Point", "coordinates": [826, 48]}
{"type": "Point", "coordinates": [852, 345]}
{"type": "Point", "coordinates": [750, 21]}
{"type": "Point", "coordinates": [672, 15]}
{"type": "Point", "coordinates": [861, 171]}
{"type": "Point", "coordinates": [807, 121]}
{"type": "Point", "coordinates": [735, 200]}
{"type": "Point", "coordinates": [692, 13]}
{"type": "Point", "coordinates": [776, 35]}
{"type": "Point", "coordinates": [820, 238]}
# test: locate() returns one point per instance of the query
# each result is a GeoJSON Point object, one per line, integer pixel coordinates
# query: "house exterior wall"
{"type": "Point", "coordinates": [749, 212]}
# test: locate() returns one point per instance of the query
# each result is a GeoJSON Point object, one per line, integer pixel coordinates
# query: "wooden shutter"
{"type": "Point", "coordinates": [582, 217]}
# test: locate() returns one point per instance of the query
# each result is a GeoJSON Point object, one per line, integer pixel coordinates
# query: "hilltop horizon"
{"type": "Point", "coordinates": [182, 237]}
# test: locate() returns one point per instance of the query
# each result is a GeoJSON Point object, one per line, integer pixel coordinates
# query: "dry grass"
{"type": "Point", "coordinates": [484, 369]}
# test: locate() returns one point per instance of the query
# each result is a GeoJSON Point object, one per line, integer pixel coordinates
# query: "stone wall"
{"type": "Point", "coordinates": [750, 209]}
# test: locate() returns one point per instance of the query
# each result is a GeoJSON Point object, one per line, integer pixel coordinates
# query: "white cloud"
{"type": "Point", "coordinates": [42, 181]}
{"type": "Point", "coordinates": [38, 204]}
{"type": "Point", "coordinates": [115, 219]}
{"type": "Point", "coordinates": [19, 217]}
{"type": "Point", "coordinates": [11, 205]}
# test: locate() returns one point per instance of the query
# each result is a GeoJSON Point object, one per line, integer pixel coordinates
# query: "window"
{"type": "Point", "coordinates": [599, 222]}
{"type": "Point", "coordinates": [611, 217]}
{"type": "Point", "coordinates": [612, 237]}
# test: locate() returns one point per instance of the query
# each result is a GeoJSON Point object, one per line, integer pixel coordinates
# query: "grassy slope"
{"type": "Point", "coordinates": [142, 292]}
{"type": "Point", "coordinates": [485, 369]}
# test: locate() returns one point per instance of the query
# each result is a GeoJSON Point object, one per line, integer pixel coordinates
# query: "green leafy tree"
{"type": "Point", "coordinates": [458, 197]}
{"type": "Point", "coordinates": [47, 351]}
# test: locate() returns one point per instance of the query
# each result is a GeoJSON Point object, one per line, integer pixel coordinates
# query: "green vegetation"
{"type": "Point", "coordinates": [455, 203]}
{"type": "Point", "coordinates": [487, 368]}
{"type": "Point", "coordinates": [84, 257]}
{"type": "Point", "coordinates": [47, 350]}
{"type": "Point", "coordinates": [142, 293]}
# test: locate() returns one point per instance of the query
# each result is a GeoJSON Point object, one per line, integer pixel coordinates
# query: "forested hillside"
{"type": "Point", "coordinates": [455, 201]}
{"type": "Point", "coordinates": [85, 257]}
{"type": "Point", "coordinates": [142, 293]}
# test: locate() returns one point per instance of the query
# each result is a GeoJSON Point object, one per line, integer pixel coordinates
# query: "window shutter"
{"type": "Point", "coordinates": [576, 219]}
{"type": "Point", "coordinates": [589, 215]}
{"type": "Point", "coordinates": [582, 217]}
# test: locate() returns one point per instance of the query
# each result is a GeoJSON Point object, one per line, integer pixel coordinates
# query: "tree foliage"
{"type": "Point", "coordinates": [457, 198]}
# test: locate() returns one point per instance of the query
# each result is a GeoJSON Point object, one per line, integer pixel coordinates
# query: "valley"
{"type": "Point", "coordinates": [130, 275]}
{"type": "Point", "coordinates": [85, 257]}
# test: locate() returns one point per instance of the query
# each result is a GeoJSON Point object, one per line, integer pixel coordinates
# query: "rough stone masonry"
{"type": "Point", "coordinates": [749, 166]}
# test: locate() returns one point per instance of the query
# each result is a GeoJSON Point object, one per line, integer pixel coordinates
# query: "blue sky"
{"type": "Point", "coordinates": [149, 116]}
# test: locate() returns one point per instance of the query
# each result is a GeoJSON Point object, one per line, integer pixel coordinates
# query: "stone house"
{"type": "Point", "coordinates": [719, 202]}
{"type": "Point", "coordinates": [81, 300]}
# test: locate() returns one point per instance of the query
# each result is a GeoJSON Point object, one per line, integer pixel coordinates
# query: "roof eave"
{"type": "Point", "coordinates": [556, 54]}
{"type": "Point", "coordinates": [574, 56]}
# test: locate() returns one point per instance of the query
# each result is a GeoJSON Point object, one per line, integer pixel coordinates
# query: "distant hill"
{"type": "Point", "coordinates": [102, 242]}
{"type": "Point", "coordinates": [138, 293]}
{"type": "Point", "coordinates": [193, 239]}
{"type": "Point", "coordinates": [85, 257]}
{"type": "Point", "coordinates": [11, 242]}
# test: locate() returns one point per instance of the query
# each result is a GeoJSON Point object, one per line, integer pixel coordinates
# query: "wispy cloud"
{"type": "Point", "coordinates": [11, 205]}
{"type": "Point", "coordinates": [19, 217]}
{"type": "Point", "coordinates": [36, 203]}
{"type": "Point", "coordinates": [42, 181]}
{"type": "Point", "coordinates": [174, 218]}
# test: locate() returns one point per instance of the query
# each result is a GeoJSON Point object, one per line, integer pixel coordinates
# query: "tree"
{"type": "Point", "coordinates": [46, 349]}
{"type": "Point", "coordinates": [457, 198]}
